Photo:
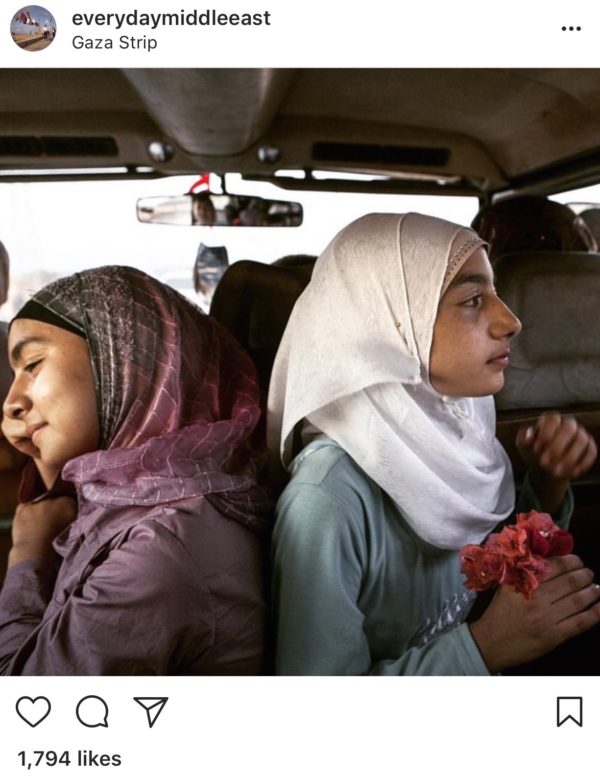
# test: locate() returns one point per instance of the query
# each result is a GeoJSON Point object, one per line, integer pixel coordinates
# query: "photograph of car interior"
{"type": "Point", "coordinates": [227, 184]}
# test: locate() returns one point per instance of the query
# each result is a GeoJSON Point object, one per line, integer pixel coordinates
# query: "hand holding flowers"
{"type": "Point", "coordinates": [544, 597]}
{"type": "Point", "coordinates": [517, 555]}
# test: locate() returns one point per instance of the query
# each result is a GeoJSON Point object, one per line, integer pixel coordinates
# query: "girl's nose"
{"type": "Point", "coordinates": [506, 324]}
{"type": "Point", "coordinates": [16, 402]}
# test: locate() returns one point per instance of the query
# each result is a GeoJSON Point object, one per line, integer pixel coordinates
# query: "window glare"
{"type": "Point", "coordinates": [589, 194]}
{"type": "Point", "coordinates": [52, 229]}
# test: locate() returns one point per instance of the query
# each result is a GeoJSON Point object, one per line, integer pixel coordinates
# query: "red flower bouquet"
{"type": "Point", "coordinates": [516, 556]}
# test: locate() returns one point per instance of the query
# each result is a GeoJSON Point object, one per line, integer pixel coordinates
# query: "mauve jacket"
{"type": "Point", "coordinates": [161, 572]}
{"type": "Point", "coordinates": [139, 591]}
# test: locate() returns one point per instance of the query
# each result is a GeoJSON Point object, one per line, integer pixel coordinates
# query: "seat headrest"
{"type": "Point", "coordinates": [254, 301]}
{"type": "Point", "coordinates": [555, 360]}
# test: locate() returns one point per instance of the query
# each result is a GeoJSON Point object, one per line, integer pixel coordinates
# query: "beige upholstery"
{"type": "Point", "coordinates": [254, 301]}
{"type": "Point", "coordinates": [555, 361]}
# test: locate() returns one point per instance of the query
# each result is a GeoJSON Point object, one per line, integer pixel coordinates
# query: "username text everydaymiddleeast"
{"type": "Point", "coordinates": [209, 17]}
{"type": "Point", "coordinates": [195, 18]}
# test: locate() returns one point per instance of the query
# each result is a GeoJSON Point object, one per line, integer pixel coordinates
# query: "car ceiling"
{"type": "Point", "coordinates": [499, 129]}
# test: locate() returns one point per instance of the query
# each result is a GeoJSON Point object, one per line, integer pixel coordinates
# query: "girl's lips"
{"type": "Point", "coordinates": [503, 360]}
{"type": "Point", "coordinates": [36, 432]}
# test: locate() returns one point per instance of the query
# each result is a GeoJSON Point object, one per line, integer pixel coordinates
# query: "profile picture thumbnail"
{"type": "Point", "coordinates": [33, 28]}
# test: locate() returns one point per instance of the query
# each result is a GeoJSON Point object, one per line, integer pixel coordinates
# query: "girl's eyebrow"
{"type": "Point", "coordinates": [460, 280]}
{"type": "Point", "coordinates": [15, 354]}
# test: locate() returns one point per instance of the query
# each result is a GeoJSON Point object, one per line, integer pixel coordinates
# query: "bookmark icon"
{"type": "Point", "coordinates": [569, 708]}
{"type": "Point", "coordinates": [153, 708]}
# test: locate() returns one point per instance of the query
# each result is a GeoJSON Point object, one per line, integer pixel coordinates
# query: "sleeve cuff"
{"type": "Point", "coordinates": [467, 652]}
{"type": "Point", "coordinates": [528, 500]}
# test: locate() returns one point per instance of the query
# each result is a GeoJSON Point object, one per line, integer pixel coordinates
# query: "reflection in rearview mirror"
{"type": "Point", "coordinates": [207, 209]}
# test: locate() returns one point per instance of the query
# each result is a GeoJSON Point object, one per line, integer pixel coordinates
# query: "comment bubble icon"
{"type": "Point", "coordinates": [92, 711]}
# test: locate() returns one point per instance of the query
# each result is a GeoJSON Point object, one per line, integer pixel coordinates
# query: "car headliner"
{"type": "Point", "coordinates": [500, 129]}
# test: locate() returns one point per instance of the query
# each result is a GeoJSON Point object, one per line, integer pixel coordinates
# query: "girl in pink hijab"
{"type": "Point", "coordinates": [137, 547]}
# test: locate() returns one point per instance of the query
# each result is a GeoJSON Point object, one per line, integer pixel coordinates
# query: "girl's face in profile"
{"type": "Point", "coordinates": [471, 336]}
{"type": "Point", "coordinates": [50, 412]}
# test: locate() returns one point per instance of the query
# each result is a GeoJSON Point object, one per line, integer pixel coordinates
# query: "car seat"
{"type": "Point", "coordinates": [555, 360]}
{"type": "Point", "coordinates": [254, 301]}
{"type": "Point", "coordinates": [555, 364]}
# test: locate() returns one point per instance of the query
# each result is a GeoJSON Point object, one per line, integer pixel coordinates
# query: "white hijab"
{"type": "Point", "coordinates": [354, 363]}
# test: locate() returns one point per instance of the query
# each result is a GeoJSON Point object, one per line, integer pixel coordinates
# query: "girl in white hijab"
{"type": "Point", "coordinates": [381, 409]}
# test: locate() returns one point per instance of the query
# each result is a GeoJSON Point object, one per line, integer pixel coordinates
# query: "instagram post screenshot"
{"type": "Point", "coordinates": [300, 384]}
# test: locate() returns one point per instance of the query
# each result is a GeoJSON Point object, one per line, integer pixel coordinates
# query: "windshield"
{"type": "Point", "coordinates": [55, 228]}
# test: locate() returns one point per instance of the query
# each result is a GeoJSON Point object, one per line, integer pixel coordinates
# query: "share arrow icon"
{"type": "Point", "coordinates": [152, 707]}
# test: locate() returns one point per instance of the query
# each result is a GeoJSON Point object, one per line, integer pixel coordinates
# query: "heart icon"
{"type": "Point", "coordinates": [33, 710]}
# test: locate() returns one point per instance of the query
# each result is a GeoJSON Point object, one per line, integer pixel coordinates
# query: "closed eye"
{"type": "Point", "coordinates": [32, 365]}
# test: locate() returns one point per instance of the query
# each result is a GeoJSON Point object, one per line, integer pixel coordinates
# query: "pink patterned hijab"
{"type": "Point", "coordinates": [178, 399]}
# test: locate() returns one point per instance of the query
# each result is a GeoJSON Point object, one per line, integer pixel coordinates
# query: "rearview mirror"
{"type": "Point", "coordinates": [206, 209]}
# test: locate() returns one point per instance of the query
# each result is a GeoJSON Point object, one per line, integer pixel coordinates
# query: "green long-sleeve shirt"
{"type": "Point", "coordinates": [355, 591]}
